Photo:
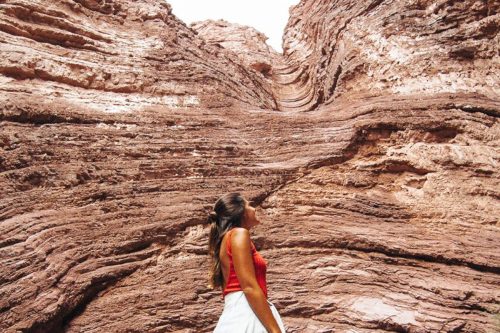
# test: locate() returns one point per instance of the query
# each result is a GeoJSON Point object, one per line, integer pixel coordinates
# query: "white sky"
{"type": "Point", "coordinates": [267, 16]}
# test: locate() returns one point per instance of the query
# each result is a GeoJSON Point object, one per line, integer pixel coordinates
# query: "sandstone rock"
{"type": "Point", "coordinates": [246, 42]}
{"type": "Point", "coordinates": [355, 49]}
{"type": "Point", "coordinates": [118, 56]}
{"type": "Point", "coordinates": [378, 195]}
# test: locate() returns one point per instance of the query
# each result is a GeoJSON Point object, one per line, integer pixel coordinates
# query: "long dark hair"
{"type": "Point", "coordinates": [227, 213]}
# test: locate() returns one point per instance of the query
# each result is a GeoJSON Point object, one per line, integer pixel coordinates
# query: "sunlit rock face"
{"type": "Point", "coordinates": [355, 49]}
{"type": "Point", "coordinates": [374, 172]}
{"type": "Point", "coordinates": [248, 44]}
{"type": "Point", "coordinates": [117, 56]}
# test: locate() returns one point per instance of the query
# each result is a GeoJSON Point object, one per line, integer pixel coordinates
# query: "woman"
{"type": "Point", "coordinates": [239, 269]}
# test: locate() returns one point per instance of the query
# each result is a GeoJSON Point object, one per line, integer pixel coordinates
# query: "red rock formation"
{"type": "Point", "coordinates": [118, 56]}
{"type": "Point", "coordinates": [353, 49]}
{"type": "Point", "coordinates": [247, 43]}
{"type": "Point", "coordinates": [120, 126]}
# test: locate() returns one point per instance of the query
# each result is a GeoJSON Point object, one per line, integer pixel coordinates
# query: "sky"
{"type": "Point", "coordinates": [267, 16]}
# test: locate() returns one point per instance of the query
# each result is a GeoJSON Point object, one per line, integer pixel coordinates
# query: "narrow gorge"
{"type": "Point", "coordinates": [370, 148]}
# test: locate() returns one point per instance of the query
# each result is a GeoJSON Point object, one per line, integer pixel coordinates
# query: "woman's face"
{"type": "Point", "coordinates": [250, 218]}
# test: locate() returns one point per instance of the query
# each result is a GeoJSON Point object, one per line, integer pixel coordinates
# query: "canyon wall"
{"type": "Point", "coordinates": [246, 43]}
{"type": "Point", "coordinates": [117, 56]}
{"type": "Point", "coordinates": [370, 149]}
{"type": "Point", "coordinates": [358, 49]}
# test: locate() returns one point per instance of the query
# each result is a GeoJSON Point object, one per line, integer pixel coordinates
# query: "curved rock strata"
{"type": "Point", "coordinates": [247, 44]}
{"type": "Point", "coordinates": [118, 56]}
{"type": "Point", "coordinates": [356, 49]}
{"type": "Point", "coordinates": [379, 205]}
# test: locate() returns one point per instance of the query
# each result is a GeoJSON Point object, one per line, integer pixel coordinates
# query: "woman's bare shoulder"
{"type": "Point", "coordinates": [241, 237]}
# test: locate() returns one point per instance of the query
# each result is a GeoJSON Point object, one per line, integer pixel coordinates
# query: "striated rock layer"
{"type": "Point", "coordinates": [120, 126]}
{"type": "Point", "coordinates": [117, 56]}
{"type": "Point", "coordinates": [355, 49]}
{"type": "Point", "coordinates": [248, 44]}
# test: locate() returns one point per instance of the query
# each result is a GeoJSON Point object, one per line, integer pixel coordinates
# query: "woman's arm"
{"type": "Point", "coordinates": [245, 271]}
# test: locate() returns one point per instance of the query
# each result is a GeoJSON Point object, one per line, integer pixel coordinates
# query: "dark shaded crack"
{"type": "Point", "coordinates": [394, 253]}
{"type": "Point", "coordinates": [24, 116]}
{"type": "Point", "coordinates": [39, 119]}
{"type": "Point", "coordinates": [391, 326]}
{"type": "Point", "coordinates": [481, 109]}
{"type": "Point", "coordinates": [393, 166]}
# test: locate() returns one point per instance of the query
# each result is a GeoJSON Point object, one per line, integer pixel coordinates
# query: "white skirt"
{"type": "Point", "coordinates": [238, 316]}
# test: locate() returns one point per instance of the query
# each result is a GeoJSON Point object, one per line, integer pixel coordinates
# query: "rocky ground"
{"type": "Point", "coordinates": [370, 148]}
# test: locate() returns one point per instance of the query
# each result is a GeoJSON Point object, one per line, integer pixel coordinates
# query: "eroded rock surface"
{"type": "Point", "coordinates": [120, 126]}
{"type": "Point", "coordinates": [356, 49]}
{"type": "Point", "coordinates": [128, 56]}
{"type": "Point", "coordinates": [248, 44]}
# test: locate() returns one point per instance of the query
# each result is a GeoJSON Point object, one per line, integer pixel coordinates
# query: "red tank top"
{"type": "Point", "coordinates": [260, 265]}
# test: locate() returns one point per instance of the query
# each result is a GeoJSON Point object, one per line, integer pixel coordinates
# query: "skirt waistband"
{"type": "Point", "coordinates": [234, 296]}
